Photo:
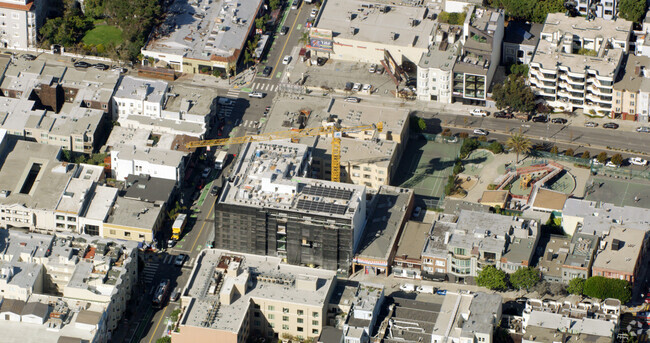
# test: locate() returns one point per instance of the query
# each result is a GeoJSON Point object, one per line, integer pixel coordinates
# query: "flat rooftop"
{"type": "Point", "coordinates": [562, 323]}
{"type": "Point", "coordinates": [350, 114]}
{"type": "Point", "coordinates": [632, 76]}
{"type": "Point", "coordinates": [435, 244]}
{"type": "Point", "coordinates": [354, 151]}
{"type": "Point", "coordinates": [122, 135]}
{"type": "Point", "coordinates": [522, 33]}
{"type": "Point", "coordinates": [150, 189]}
{"type": "Point", "coordinates": [141, 89]}
{"type": "Point", "coordinates": [373, 25]}
{"type": "Point", "coordinates": [598, 218]}
{"type": "Point", "coordinates": [204, 30]}
{"type": "Point", "coordinates": [262, 277]}
{"type": "Point", "coordinates": [102, 202]}
{"type": "Point", "coordinates": [442, 54]}
{"type": "Point", "coordinates": [618, 29]}
{"type": "Point", "coordinates": [152, 155]}
{"type": "Point", "coordinates": [134, 213]}
{"type": "Point", "coordinates": [555, 254]}
{"type": "Point", "coordinates": [272, 175]}
{"type": "Point", "coordinates": [413, 239]}
{"type": "Point", "coordinates": [550, 199]}
{"type": "Point", "coordinates": [384, 222]}
{"type": "Point", "coordinates": [623, 247]}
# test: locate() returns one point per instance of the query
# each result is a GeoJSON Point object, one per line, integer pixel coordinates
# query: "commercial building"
{"type": "Point", "coordinates": [577, 62]}
{"type": "Point", "coordinates": [567, 258]}
{"type": "Point", "coordinates": [130, 159]}
{"type": "Point", "coordinates": [134, 220]}
{"type": "Point", "coordinates": [389, 211]}
{"type": "Point", "coordinates": [620, 253]}
{"type": "Point", "coordinates": [487, 239]}
{"type": "Point", "coordinates": [479, 56]}
{"type": "Point", "coordinates": [199, 37]}
{"type": "Point", "coordinates": [156, 106]}
{"type": "Point", "coordinates": [520, 42]}
{"type": "Point", "coordinates": [21, 21]}
{"type": "Point", "coordinates": [354, 30]}
{"type": "Point", "coordinates": [570, 321]}
{"type": "Point", "coordinates": [408, 257]}
{"type": "Point", "coordinates": [271, 208]}
{"type": "Point", "coordinates": [232, 297]}
{"type": "Point", "coordinates": [631, 88]}
{"type": "Point", "coordinates": [467, 317]}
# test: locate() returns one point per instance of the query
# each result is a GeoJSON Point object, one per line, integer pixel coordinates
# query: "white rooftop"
{"type": "Point", "coordinates": [141, 89]}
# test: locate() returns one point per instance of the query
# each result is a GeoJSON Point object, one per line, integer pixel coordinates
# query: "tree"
{"type": "Point", "coordinates": [632, 10]}
{"type": "Point", "coordinates": [304, 39]}
{"type": "Point", "coordinates": [458, 167]}
{"type": "Point", "coordinates": [569, 152]}
{"type": "Point", "coordinates": [576, 285]}
{"type": "Point", "coordinates": [274, 4]}
{"type": "Point", "coordinates": [602, 157]}
{"type": "Point", "coordinates": [586, 155]}
{"type": "Point", "coordinates": [519, 69]}
{"type": "Point", "coordinates": [165, 339]}
{"type": "Point", "coordinates": [554, 150]}
{"type": "Point", "coordinates": [515, 94]}
{"type": "Point", "coordinates": [602, 288]}
{"type": "Point", "coordinates": [524, 278]}
{"type": "Point", "coordinates": [453, 185]}
{"type": "Point", "coordinates": [495, 147]}
{"type": "Point", "coordinates": [468, 146]}
{"type": "Point", "coordinates": [492, 278]}
{"type": "Point", "coordinates": [617, 159]}
{"type": "Point", "coordinates": [422, 125]}
{"type": "Point", "coordinates": [519, 143]}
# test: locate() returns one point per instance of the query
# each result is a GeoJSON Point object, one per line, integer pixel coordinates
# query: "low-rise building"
{"type": "Point", "coordinates": [364, 313]}
{"type": "Point", "coordinates": [130, 159]}
{"type": "Point", "coordinates": [629, 87]}
{"type": "Point", "coordinates": [232, 297]}
{"type": "Point", "coordinates": [408, 257]}
{"type": "Point", "coordinates": [389, 211]}
{"type": "Point", "coordinates": [597, 218]}
{"type": "Point", "coordinates": [434, 251]}
{"type": "Point", "coordinates": [620, 253]}
{"type": "Point", "coordinates": [435, 67]}
{"type": "Point", "coordinates": [520, 42]}
{"type": "Point", "coordinates": [134, 220]}
{"type": "Point", "coordinates": [566, 258]}
{"type": "Point", "coordinates": [467, 317]}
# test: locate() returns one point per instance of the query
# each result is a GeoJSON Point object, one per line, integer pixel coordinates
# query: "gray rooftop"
{"type": "Point", "coordinates": [443, 51]}
{"type": "Point", "coordinates": [387, 214]}
{"type": "Point", "coordinates": [121, 135]}
{"type": "Point", "coordinates": [435, 245]}
{"type": "Point", "coordinates": [354, 151]}
{"type": "Point", "coordinates": [598, 218]}
{"type": "Point", "coordinates": [150, 189]}
{"type": "Point", "coordinates": [205, 30]}
{"type": "Point", "coordinates": [413, 239]}
{"type": "Point", "coordinates": [152, 155]}
{"type": "Point", "coordinates": [141, 89]}
{"type": "Point", "coordinates": [632, 75]}
{"type": "Point", "coordinates": [134, 213]}
{"type": "Point", "coordinates": [622, 250]}
{"type": "Point", "coordinates": [101, 203]}
{"type": "Point", "coordinates": [563, 323]}
{"type": "Point", "coordinates": [522, 33]}
{"type": "Point", "coordinates": [416, 319]}
{"type": "Point", "coordinates": [483, 315]}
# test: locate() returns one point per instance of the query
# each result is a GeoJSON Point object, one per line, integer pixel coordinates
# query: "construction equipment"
{"type": "Point", "coordinates": [332, 129]}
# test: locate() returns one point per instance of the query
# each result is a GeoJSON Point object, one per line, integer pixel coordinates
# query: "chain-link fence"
{"type": "Point", "coordinates": [621, 173]}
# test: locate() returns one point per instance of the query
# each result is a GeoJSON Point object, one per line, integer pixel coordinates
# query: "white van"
{"type": "Point", "coordinates": [426, 289]}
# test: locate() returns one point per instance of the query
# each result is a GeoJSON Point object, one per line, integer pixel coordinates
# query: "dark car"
{"type": "Point", "coordinates": [82, 64]}
{"type": "Point", "coordinates": [502, 114]}
{"type": "Point", "coordinates": [29, 57]}
{"type": "Point", "coordinates": [101, 66]}
{"type": "Point", "coordinates": [284, 30]}
{"type": "Point", "coordinates": [610, 126]}
{"type": "Point", "coordinates": [540, 119]}
{"type": "Point", "coordinates": [267, 71]}
{"type": "Point", "coordinates": [320, 61]}
{"type": "Point", "coordinates": [558, 121]}
{"type": "Point", "coordinates": [214, 191]}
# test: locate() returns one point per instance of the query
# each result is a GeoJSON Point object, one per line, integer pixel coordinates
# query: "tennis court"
{"type": "Point", "coordinates": [425, 166]}
{"type": "Point", "coordinates": [619, 192]}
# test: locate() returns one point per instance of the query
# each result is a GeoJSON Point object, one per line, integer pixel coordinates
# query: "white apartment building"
{"type": "Point", "coordinates": [20, 21]}
{"type": "Point", "coordinates": [606, 9]}
{"type": "Point", "coordinates": [435, 69]}
{"type": "Point", "coordinates": [577, 61]}
{"type": "Point", "coordinates": [129, 159]}
{"type": "Point", "coordinates": [135, 96]}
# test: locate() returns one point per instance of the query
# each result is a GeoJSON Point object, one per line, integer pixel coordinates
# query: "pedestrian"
{"type": "Point", "coordinates": [636, 199]}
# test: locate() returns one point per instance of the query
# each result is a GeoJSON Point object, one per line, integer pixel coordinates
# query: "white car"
{"type": "Point", "coordinates": [596, 162]}
{"type": "Point", "coordinates": [286, 59]}
{"type": "Point", "coordinates": [352, 99]}
{"type": "Point", "coordinates": [373, 68]}
{"type": "Point", "coordinates": [478, 112]}
{"type": "Point", "coordinates": [638, 161]}
{"type": "Point", "coordinates": [356, 87]}
{"type": "Point", "coordinates": [313, 13]}
{"type": "Point", "coordinates": [407, 287]}
{"type": "Point", "coordinates": [610, 164]}
{"type": "Point", "coordinates": [480, 132]}
{"type": "Point", "coordinates": [258, 95]}
{"type": "Point", "coordinates": [367, 88]}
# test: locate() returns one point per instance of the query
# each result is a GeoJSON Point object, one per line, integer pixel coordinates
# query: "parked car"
{"type": "Point", "coordinates": [596, 162]}
{"type": "Point", "coordinates": [171, 243]}
{"type": "Point", "coordinates": [426, 289]}
{"type": "Point", "coordinates": [480, 132]}
{"type": "Point", "coordinates": [120, 69]}
{"type": "Point", "coordinates": [176, 293]}
{"type": "Point", "coordinates": [441, 292]}
{"type": "Point", "coordinates": [214, 191]}
{"type": "Point", "coordinates": [645, 129]}
{"type": "Point", "coordinates": [286, 59]}
{"type": "Point", "coordinates": [416, 212]}
{"type": "Point", "coordinates": [478, 112]}
{"type": "Point", "coordinates": [258, 95]}
{"type": "Point", "coordinates": [610, 126]}
{"type": "Point", "coordinates": [591, 124]}
{"type": "Point", "coordinates": [29, 57]}
{"type": "Point", "coordinates": [101, 66]}
{"type": "Point", "coordinates": [407, 287]}
{"type": "Point", "coordinates": [295, 4]}
{"type": "Point", "coordinates": [206, 172]}
{"type": "Point", "coordinates": [352, 99]}
{"type": "Point", "coordinates": [638, 161]}
{"type": "Point", "coordinates": [320, 61]}
{"type": "Point", "coordinates": [267, 71]}
{"type": "Point", "coordinates": [502, 114]}
{"type": "Point", "coordinates": [373, 68]}
{"type": "Point", "coordinates": [284, 30]}
{"type": "Point", "coordinates": [540, 119]}
{"type": "Point", "coordinates": [367, 87]}
{"type": "Point", "coordinates": [348, 86]}
{"type": "Point", "coordinates": [180, 259]}
{"type": "Point", "coordinates": [356, 87]}
{"type": "Point", "coordinates": [81, 64]}
{"type": "Point", "coordinates": [313, 13]}
{"type": "Point", "coordinates": [611, 165]}
{"type": "Point", "coordinates": [558, 121]}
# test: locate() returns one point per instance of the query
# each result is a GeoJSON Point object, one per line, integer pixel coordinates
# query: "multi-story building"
{"type": "Point", "coordinates": [620, 253]}
{"type": "Point", "coordinates": [487, 239]}
{"type": "Point", "coordinates": [434, 251]}
{"type": "Point", "coordinates": [566, 258]}
{"type": "Point", "coordinates": [606, 9]}
{"type": "Point", "coordinates": [408, 257]}
{"type": "Point", "coordinates": [20, 21]}
{"type": "Point", "coordinates": [271, 208]}
{"type": "Point", "coordinates": [128, 159]}
{"type": "Point", "coordinates": [199, 38]}
{"type": "Point", "coordinates": [362, 317]}
{"type": "Point", "coordinates": [435, 68]}
{"type": "Point", "coordinates": [643, 108]}
{"type": "Point", "coordinates": [520, 42]}
{"type": "Point", "coordinates": [467, 318]}
{"type": "Point", "coordinates": [597, 218]}
{"type": "Point", "coordinates": [232, 297]}
{"type": "Point", "coordinates": [630, 89]}
{"type": "Point", "coordinates": [577, 62]}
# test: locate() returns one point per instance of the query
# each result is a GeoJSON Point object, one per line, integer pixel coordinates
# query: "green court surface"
{"type": "Point", "coordinates": [425, 166]}
{"type": "Point", "coordinates": [619, 192]}
{"type": "Point", "coordinates": [475, 162]}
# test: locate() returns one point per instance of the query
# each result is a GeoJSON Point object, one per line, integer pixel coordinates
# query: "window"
{"type": "Point", "coordinates": [459, 251]}
{"type": "Point", "coordinates": [285, 318]}
{"type": "Point", "coordinates": [112, 232]}
{"type": "Point", "coordinates": [285, 327]}
{"type": "Point", "coordinates": [314, 322]}
{"type": "Point", "coordinates": [440, 263]}
{"type": "Point", "coordinates": [141, 236]}
{"type": "Point", "coordinates": [58, 217]}
{"type": "Point", "coordinates": [314, 314]}
{"type": "Point", "coordinates": [271, 316]}
{"type": "Point", "coordinates": [127, 234]}
{"type": "Point", "coordinates": [300, 321]}
{"type": "Point", "coordinates": [271, 308]}
{"type": "Point", "coordinates": [314, 331]}
{"type": "Point", "coordinates": [300, 312]}
{"type": "Point", "coordinates": [300, 329]}
{"type": "Point", "coordinates": [285, 310]}
{"type": "Point", "coordinates": [257, 323]}
{"type": "Point", "coordinates": [72, 219]}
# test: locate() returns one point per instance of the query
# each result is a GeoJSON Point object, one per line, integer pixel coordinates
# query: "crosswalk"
{"type": "Point", "coordinates": [233, 93]}
{"type": "Point", "coordinates": [251, 123]}
{"type": "Point", "coordinates": [264, 87]}
{"type": "Point", "coordinates": [149, 272]}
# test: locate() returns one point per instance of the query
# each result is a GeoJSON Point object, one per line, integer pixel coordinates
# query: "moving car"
{"type": "Point", "coordinates": [286, 59]}
{"type": "Point", "coordinates": [591, 124]}
{"type": "Point", "coordinates": [171, 243]}
{"type": "Point", "coordinates": [284, 30]}
{"type": "Point", "coordinates": [352, 99]}
{"type": "Point", "coordinates": [407, 287]}
{"type": "Point", "coordinates": [558, 121]}
{"type": "Point", "coordinates": [214, 191]}
{"type": "Point", "coordinates": [478, 112]}
{"type": "Point", "coordinates": [180, 259]}
{"type": "Point", "coordinates": [638, 161]}
{"type": "Point", "coordinates": [610, 126]}
{"type": "Point", "coordinates": [258, 95]}
{"type": "Point", "coordinates": [503, 114]}
{"type": "Point", "coordinates": [267, 71]}
{"type": "Point", "coordinates": [206, 172]}
{"type": "Point", "coordinates": [176, 293]}
{"type": "Point", "coordinates": [313, 13]}
{"type": "Point", "coordinates": [480, 132]}
{"type": "Point", "coordinates": [645, 129]}
{"type": "Point", "coordinates": [81, 64]}
{"type": "Point", "coordinates": [611, 165]}
{"type": "Point", "coordinates": [100, 66]}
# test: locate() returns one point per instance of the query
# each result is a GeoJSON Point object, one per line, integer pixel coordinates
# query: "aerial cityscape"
{"type": "Point", "coordinates": [324, 171]}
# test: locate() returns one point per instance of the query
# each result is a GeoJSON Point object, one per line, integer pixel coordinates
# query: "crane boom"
{"type": "Point", "coordinates": [333, 130]}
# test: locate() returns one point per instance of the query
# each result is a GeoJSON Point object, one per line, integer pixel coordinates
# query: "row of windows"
{"type": "Point", "coordinates": [286, 310]}
{"type": "Point", "coordinates": [127, 234]}
{"type": "Point", "coordinates": [70, 219]}
{"type": "Point", "coordinates": [18, 212]}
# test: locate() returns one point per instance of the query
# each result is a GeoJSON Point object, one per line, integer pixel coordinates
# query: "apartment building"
{"type": "Point", "coordinates": [631, 88]}
{"type": "Point", "coordinates": [479, 56]}
{"type": "Point", "coordinates": [434, 251]}
{"type": "Point", "coordinates": [130, 159]}
{"type": "Point", "coordinates": [605, 9]}
{"type": "Point", "coordinates": [487, 239]}
{"type": "Point", "coordinates": [597, 218]}
{"type": "Point", "coordinates": [467, 318]}
{"type": "Point", "coordinates": [567, 258]}
{"type": "Point", "coordinates": [20, 21]}
{"type": "Point", "coordinates": [199, 38]}
{"type": "Point", "coordinates": [435, 68]}
{"type": "Point", "coordinates": [577, 62]}
{"type": "Point", "coordinates": [620, 253]}
{"type": "Point", "coordinates": [520, 42]}
{"type": "Point", "coordinates": [232, 297]}
{"type": "Point", "coordinates": [360, 321]}
{"type": "Point", "coordinates": [271, 208]}
{"type": "Point", "coordinates": [408, 257]}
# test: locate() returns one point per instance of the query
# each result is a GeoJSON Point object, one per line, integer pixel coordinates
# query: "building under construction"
{"type": "Point", "coordinates": [270, 207]}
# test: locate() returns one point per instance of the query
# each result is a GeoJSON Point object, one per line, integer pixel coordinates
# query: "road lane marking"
{"type": "Point", "coordinates": [158, 325]}
{"type": "Point", "coordinates": [202, 226]}
{"type": "Point", "coordinates": [289, 36]}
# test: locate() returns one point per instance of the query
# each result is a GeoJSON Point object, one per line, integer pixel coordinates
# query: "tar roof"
{"type": "Point", "coordinates": [412, 240]}
{"type": "Point", "coordinates": [134, 213]}
{"type": "Point", "coordinates": [147, 188]}
{"type": "Point", "coordinates": [623, 247]}
{"type": "Point", "coordinates": [523, 33]}
{"type": "Point", "coordinates": [632, 72]}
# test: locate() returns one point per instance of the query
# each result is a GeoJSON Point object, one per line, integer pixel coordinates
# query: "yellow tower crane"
{"type": "Point", "coordinates": [335, 131]}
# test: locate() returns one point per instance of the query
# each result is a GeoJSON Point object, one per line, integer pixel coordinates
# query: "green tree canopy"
{"type": "Point", "coordinates": [492, 278]}
{"type": "Point", "coordinates": [468, 146]}
{"type": "Point", "coordinates": [529, 10]}
{"type": "Point", "coordinates": [617, 159]}
{"type": "Point", "coordinates": [602, 157]}
{"type": "Point", "coordinates": [601, 287]}
{"type": "Point", "coordinates": [524, 278]}
{"type": "Point", "coordinates": [632, 10]}
{"type": "Point", "coordinates": [576, 285]}
{"type": "Point", "coordinates": [496, 147]}
{"type": "Point", "coordinates": [515, 94]}
{"type": "Point", "coordinates": [519, 144]}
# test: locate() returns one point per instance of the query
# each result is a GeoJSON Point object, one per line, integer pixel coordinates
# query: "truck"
{"type": "Point", "coordinates": [161, 293]}
{"type": "Point", "coordinates": [178, 226]}
{"type": "Point", "coordinates": [426, 289]}
{"type": "Point", "coordinates": [220, 160]}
